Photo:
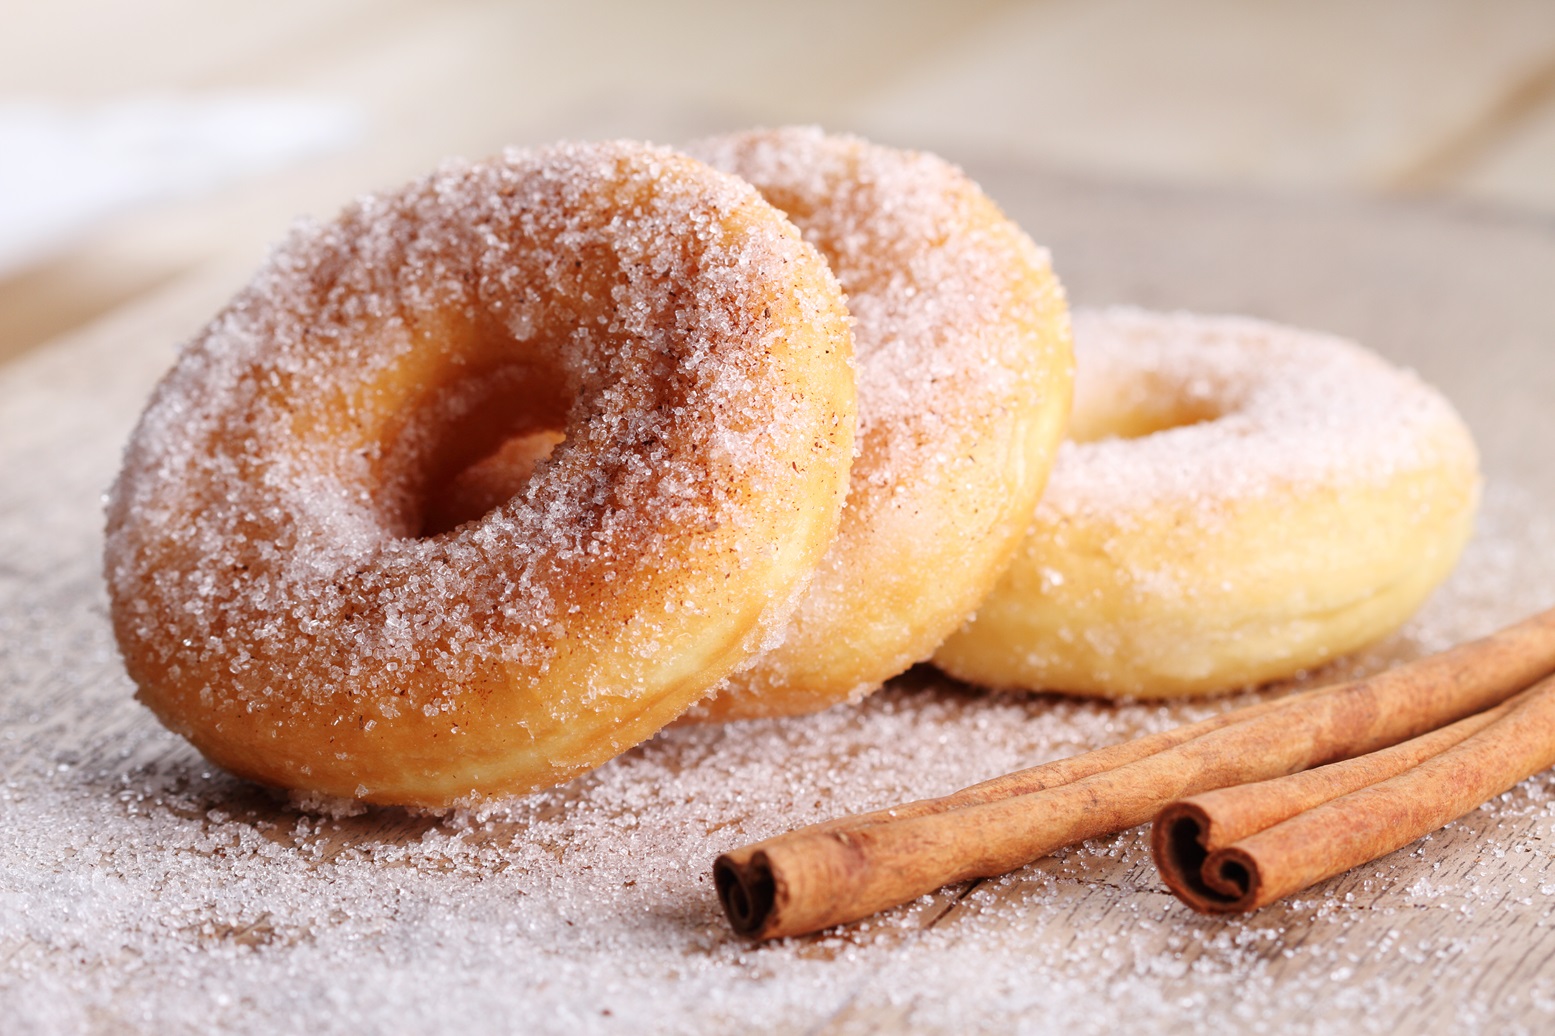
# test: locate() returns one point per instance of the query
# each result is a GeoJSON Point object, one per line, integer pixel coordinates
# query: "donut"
{"type": "Point", "coordinates": [964, 379]}
{"type": "Point", "coordinates": [276, 592]}
{"type": "Point", "coordinates": [1239, 502]}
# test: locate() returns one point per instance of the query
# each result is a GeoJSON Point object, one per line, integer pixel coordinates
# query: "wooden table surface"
{"type": "Point", "coordinates": [141, 890]}
{"type": "Point", "coordinates": [1451, 98]}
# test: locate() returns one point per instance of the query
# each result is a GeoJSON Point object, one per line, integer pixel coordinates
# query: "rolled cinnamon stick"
{"type": "Point", "coordinates": [1188, 833]}
{"type": "Point", "coordinates": [845, 869]}
{"type": "Point", "coordinates": [1232, 851]}
{"type": "Point", "coordinates": [1188, 836]}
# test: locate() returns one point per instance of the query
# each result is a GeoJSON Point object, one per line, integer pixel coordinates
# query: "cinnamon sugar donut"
{"type": "Point", "coordinates": [964, 370]}
{"type": "Point", "coordinates": [275, 590]}
{"type": "Point", "coordinates": [1241, 501]}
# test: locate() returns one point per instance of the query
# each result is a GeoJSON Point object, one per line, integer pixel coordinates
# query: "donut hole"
{"type": "Point", "coordinates": [477, 490]}
{"type": "Point", "coordinates": [1139, 419]}
{"type": "Point", "coordinates": [1134, 393]}
{"type": "Point", "coordinates": [486, 433]}
{"type": "Point", "coordinates": [477, 426]}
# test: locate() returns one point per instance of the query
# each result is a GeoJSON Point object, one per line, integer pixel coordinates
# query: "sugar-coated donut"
{"type": "Point", "coordinates": [965, 373]}
{"type": "Point", "coordinates": [275, 591]}
{"type": "Point", "coordinates": [1241, 501]}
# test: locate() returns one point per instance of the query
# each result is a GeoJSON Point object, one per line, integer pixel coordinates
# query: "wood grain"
{"type": "Point", "coordinates": [1451, 97]}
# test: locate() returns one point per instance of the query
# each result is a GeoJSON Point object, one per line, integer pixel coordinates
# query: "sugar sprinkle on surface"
{"type": "Point", "coordinates": [136, 882]}
{"type": "Point", "coordinates": [140, 889]}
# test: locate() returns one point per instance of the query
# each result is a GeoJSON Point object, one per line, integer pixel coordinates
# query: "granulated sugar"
{"type": "Point", "coordinates": [141, 886]}
{"type": "Point", "coordinates": [143, 890]}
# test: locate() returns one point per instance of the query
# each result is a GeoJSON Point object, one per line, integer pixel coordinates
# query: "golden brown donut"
{"type": "Point", "coordinates": [964, 370]}
{"type": "Point", "coordinates": [1241, 501]}
{"type": "Point", "coordinates": [275, 591]}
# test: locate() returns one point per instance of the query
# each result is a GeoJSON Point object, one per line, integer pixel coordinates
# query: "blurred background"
{"type": "Point", "coordinates": [143, 140]}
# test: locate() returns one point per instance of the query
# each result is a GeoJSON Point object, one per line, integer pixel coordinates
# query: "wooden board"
{"type": "Point", "coordinates": [140, 890]}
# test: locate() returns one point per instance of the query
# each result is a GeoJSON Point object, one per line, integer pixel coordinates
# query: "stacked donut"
{"type": "Point", "coordinates": [498, 474]}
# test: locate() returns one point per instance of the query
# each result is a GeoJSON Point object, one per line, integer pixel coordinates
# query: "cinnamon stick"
{"type": "Point", "coordinates": [1231, 851]}
{"type": "Point", "coordinates": [1186, 833]}
{"type": "Point", "coordinates": [842, 870]}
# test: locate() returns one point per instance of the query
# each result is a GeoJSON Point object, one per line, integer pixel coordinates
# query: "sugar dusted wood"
{"type": "Point", "coordinates": [1271, 863]}
{"type": "Point", "coordinates": [840, 871]}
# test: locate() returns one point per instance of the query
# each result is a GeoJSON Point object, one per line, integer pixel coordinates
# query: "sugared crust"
{"type": "Point", "coordinates": [270, 591]}
{"type": "Point", "coordinates": [1245, 501]}
{"type": "Point", "coordinates": [964, 369]}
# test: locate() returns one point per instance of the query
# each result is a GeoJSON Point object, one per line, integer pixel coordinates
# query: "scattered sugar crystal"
{"type": "Point", "coordinates": [142, 889]}
{"type": "Point", "coordinates": [139, 882]}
